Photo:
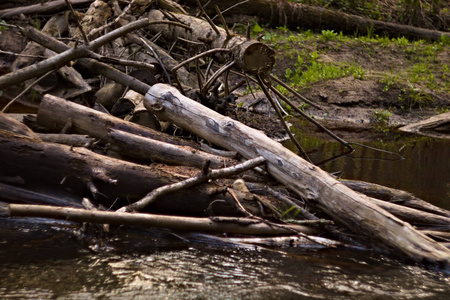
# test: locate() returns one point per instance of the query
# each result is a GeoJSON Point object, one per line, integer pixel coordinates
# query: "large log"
{"type": "Point", "coordinates": [128, 138]}
{"type": "Point", "coordinates": [308, 181]}
{"type": "Point", "coordinates": [294, 15]}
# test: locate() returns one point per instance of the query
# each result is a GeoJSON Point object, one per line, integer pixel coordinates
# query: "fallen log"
{"type": "Point", "coordinates": [250, 55]}
{"type": "Point", "coordinates": [308, 181]}
{"type": "Point", "coordinates": [294, 15]}
{"type": "Point", "coordinates": [54, 113]}
{"type": "Point", "coordinates": [395, 196]}
{"type": "Point", "coordinates": [128, 138]}
{"type": "Point", "coordinates": [436, 126]}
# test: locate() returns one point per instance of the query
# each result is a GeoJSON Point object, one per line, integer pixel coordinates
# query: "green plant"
{"type": "Point", "coordinates": [329, 35]}
{"type": "Point", "coordinates": [389, 81]}
{"type": "Point", "coordinates": [358, 73]}
{"type": "Point", "coordinates": [380, 120]}
{"type": "Point", "coordinates": [36, 23]}
{"type": "Point", "coordinates": [401, 41]}
{"type": "Point", "coordinates": [444, 40]}
{"type": "Point", "coordinates": [414, 98]}
{"type": "Point", "coordinates": [3, 25]}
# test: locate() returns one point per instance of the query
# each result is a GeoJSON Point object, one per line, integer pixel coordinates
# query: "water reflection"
{"type": "Point", "coordinates": [425, 171]}
{"type": "Point", "coordinates": [202, 272]}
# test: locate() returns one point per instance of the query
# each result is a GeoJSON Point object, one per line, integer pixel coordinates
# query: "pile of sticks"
{"type": "Point", "coordinates": [85, 158]}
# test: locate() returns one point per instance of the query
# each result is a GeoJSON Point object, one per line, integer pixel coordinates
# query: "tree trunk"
{"type": "Point", "coordinates": [308, 181]}
{"type": "Point", "coordinates": [293, 15]}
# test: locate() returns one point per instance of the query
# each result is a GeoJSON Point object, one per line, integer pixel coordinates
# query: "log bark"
{"type": "Point", "coordinates": [294, 15]}
{"type": "Point", "coordinates": [308, 181]}
{"type": "Point", "coordinates": [54, 113]}
{"type": "Point", "coordinates": [54, 27]}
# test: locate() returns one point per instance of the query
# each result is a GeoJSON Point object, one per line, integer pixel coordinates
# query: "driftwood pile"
{"type": "Point", "coordinates": [114, 92]}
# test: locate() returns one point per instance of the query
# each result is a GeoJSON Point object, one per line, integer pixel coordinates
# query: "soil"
{"type": "Point", "coordinates": [349, 105]}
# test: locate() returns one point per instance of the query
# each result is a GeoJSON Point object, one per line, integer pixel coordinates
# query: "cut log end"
{"type": "Point", "coordinates": [255, 57]}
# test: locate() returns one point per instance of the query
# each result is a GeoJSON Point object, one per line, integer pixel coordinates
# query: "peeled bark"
{"type": "Point", "coordinates": [308, 181]}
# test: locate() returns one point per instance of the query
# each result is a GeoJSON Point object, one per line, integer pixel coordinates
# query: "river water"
{"type": "Point", "coordinates": [49, 261]}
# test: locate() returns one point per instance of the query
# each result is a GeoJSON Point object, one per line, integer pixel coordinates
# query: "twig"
{"type": "Point", "coordinates": [123, 13]}
{"type": "Point", "coordinates": [125, 62]}
{"type": "Point", "coordinates": [303, 114]}
{"type": "Point", "coordinates": [280, 116]}
{"type": "Point", "coordinates": [212, 174]}
{"type": "Point", "coordinates": [62, 59]}
{"type": "Point", "coordinates": [21, 55]}
{"type": "Point", "coordinates": [77, 22]}
{"type": "Point", "coordinates": [231, 7]}
{"type": "Point", "coordinates": [224, 23]}
{"type": "Point", "coordinates": [174, 69]}
{"type": "Point", "coordinates": [290, 89]}
{"type": "Point", "coordinates": [252, 216]}
{"type": "Point", "coordinates": [157, 58]}
{"type": "Point", "coordinates": [216, 75]}
{"type": "Point", "coordinates": [208, 19]}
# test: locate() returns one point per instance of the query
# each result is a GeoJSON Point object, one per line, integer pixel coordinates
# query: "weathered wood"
{"type": "Point", "coordinates": [76, 140]}
{"type": "Point", "coordinates": [150, 149]}
{"type": "Point", "coordinates": [88, 63]}
{"type": "Point", "coordinates": [227, 225]}
{"type": "Point", "coordinates": [8, 123]}
{"type": "Point", "coordinates": [55, 112]}
{"type": "Point", "coordinates": [127, 138]}
{"type": "Point", "coordinates": [308, 181]}
{"type": "Point", "coordinates": [395, 196]}
{"type": "Point", "coordinates": [112, 181]}
{"type": "Point", "coordinates": [436, 126]}
{"type": "Point", "coordinates": [412, 215]}
{"type": "Point", "coordinates": [54, 27]}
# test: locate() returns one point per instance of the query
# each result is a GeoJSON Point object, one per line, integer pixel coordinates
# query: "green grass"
{"type": "Point", "coordinates": [303, 53]}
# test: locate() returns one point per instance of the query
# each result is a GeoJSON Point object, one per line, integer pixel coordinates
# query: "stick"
{"type": "Point", "coordinates": [202, 177]}
{"type": "Point", "coordinates": [228, 225]}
